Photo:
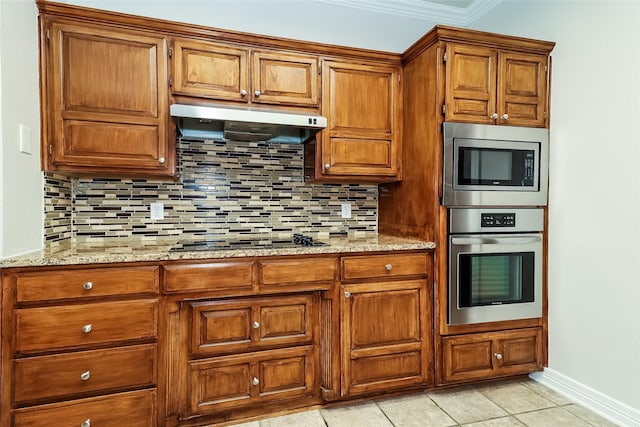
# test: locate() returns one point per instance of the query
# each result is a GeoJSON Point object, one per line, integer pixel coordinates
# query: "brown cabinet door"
{"type": "Point", "coordinates": [386, 331]}
{"type": "Point", "coordinates": [210, 70]}
{"type": "Point", "coordinates": [285, 79]}
{"type": "Point", "coordinates": [363, 106]}
{"type": "Point", "coordinates": [491, 354]}
{"type": "Point", "coordinates": [226, 326]}
{"type": "Point", "coordinates": [105, 101]}
{"type": "Point", "coordinates": [522, 89]}
{"type": "Point", "coordinates": [470, 94]}
{"type": "Point", "coordinates": [248, 379]}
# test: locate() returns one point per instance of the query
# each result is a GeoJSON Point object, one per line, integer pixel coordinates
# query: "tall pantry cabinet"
{"type": "Point", "coordinates": [457, 75]}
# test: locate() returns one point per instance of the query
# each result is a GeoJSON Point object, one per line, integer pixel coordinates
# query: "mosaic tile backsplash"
{"type": "Point", "coordinates": [225, 190]}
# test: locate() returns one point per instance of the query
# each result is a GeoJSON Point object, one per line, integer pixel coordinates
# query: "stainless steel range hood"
{"type": "Point", "coordinates": [245, 124]}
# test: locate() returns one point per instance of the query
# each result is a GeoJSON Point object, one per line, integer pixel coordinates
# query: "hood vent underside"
{"type": "Point", "coordinates": [243, 124]}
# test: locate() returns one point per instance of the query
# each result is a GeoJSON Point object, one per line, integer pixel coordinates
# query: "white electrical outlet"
{"type": "Point", "coordinates": [157, 210]}
{"type": "Point", "coordinates": [346, 210]}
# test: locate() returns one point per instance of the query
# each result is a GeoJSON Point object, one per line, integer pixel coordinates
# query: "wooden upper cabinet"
{"type": "Point", "coordinates": [492, 86]}
{"type": "Point", "coordinates": [362, 104]}
{"type": "Point", "coordinates": [286, 79]}
{"type": "Point", "coordinates": [234, 73]}
{"type": "Point", "coordinates": [210, 70]}
{"type": "Point", "coordinates": [104, 101]}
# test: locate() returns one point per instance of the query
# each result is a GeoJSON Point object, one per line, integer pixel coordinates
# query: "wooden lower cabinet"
{"type": "Point", "coordinates": [491, 355]}
{"type": "Point", "coordinates": [243, 380]}
{"type": "Point", "coordinates": [386, 330]}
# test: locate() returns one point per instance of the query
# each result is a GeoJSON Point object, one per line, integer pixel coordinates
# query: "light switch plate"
{"type": "Point", "coordinates": [346, 210]}
{"type": "Point", "coordinates": [24, 137]}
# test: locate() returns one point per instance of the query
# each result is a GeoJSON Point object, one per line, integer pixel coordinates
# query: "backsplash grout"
{"type": "Point", "coordinates": [225, 190]}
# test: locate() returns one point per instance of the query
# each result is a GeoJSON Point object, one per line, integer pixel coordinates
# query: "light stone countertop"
{"type": "Point", "coordinates": [123, 250]}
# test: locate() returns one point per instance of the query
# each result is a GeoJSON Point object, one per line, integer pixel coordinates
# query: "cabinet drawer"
{"type": "Point", "coordinates": [314, 272]}
{"type": "Point", "coordinates": [84, 373]}
{"type": "Point", "coordinates": [213, 276]}
{"type": "Point", "coordinates": [51, 328]}
{"type": "Point", "coordinates": [89, 282]}
{"type": "Point", "coordinates": [377, 266]}
{"type": "Point", "coordinates": [242, 380]}
{"type": "Point", "coordinates": [249, 324]}
{"type": "Point", "coordinates": [138, 408]}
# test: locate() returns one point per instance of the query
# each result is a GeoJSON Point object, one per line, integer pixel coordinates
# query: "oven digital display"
{"type": "Point", "coordinates": [498, 219]}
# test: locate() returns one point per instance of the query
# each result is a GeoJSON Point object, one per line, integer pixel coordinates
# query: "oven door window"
{"type": "Point", "coordinates": [495, 167]}
{"type": "Point", "coordinates": [500, 278]}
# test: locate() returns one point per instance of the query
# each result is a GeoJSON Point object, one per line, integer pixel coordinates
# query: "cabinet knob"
{"type": "Point", "coordinates": [85, 375]}
{"type": "Point", "coordinates": [255, 381]}
{"type": "Point", "coordinates": [257, 93]}
{"type": "Point", "coordinates": [256, 325]}
{"type": "Point", "coordinates": [505, 116]}
{"type": "Point", "coordinates": [88, 286]}
{"type": "Point", "coordinates": [87, 328]}
{"type": "Point", "coordinates": [86, 423]}
{"type": "Point", "coordinates": [498, 356]}
{"type": "Point", "coordinates": [243, 92]}
{"type": "Point", "coordinates": [327, 166]}
{"type": "Point", "coordinates": [161, 160]}
{"type": "Point", "coordinates": [347, 294]}
{"type": "Point", "coordinates": [494, 116]}
{"type": "Point", "coordinates": [388, 267]}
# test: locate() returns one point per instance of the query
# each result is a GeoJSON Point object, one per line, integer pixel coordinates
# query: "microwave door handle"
{"type": "Point", "coordinates": [495, 240]}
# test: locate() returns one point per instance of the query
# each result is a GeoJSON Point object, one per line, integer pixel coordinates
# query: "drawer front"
{"type": "Point", "coordinates": [226, 326]}
{"type": "Point", "coordinates": [50, 328]}
{"type": "Point", "coordinates": [243, 380]}
{"type": "Point", "coordinates": [378, 266]}
{"type": "Point", "coordinates": [279, 273]}
{"type": "Point", "coordinates": [83, 373]}
{"type": "Point", "coordinates": [214, 276]}
{"type": "Point", "coordinates": [83, 283]}
{"type": "Point", "coordinates": [135, 409]}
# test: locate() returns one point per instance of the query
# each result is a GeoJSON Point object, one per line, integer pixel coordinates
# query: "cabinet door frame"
{"type": "Point", "coordinates": [65, 127]}
{"type": "Point", "coordinates": [261, 82]}
{"type": "Point", "coordinates": [422, 345]}
{"type": "Point", "coordinates": [337, 141]}
{"type": "Point", "coordinates": [186, 84]}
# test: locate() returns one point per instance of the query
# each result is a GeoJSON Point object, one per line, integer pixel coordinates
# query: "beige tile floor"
{"type": "Point", "coordinates": [520, 402]}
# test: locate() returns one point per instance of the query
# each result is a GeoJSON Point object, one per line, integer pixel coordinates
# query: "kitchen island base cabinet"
{"type": "Point", "coordinates": [491, 355]}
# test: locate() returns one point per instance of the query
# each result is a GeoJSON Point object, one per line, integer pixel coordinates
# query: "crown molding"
{"type": "Point", "coordinates": [420, 9]}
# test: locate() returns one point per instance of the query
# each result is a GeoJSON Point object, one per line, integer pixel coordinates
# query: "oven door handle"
{"type": "Point", "coordinates": [495, 240]}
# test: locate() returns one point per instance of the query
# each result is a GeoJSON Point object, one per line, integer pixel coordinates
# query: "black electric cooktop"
{"type": "Point", "coordinates": [298, 240]}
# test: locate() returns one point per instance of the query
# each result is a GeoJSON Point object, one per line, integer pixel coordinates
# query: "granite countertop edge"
{"type": "Point", "coordinates": [122, 252]}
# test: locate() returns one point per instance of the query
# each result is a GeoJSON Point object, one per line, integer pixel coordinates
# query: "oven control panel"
{"type": "Point", "coordinates": [498, 219]}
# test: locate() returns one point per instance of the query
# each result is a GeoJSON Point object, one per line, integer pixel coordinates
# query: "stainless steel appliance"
{"type": "Point", "coordinates": [488, 165]}
{"type": "Point", "coordinates": [495, 264]}
{"type": "Point", "coordinates": [245, 124]}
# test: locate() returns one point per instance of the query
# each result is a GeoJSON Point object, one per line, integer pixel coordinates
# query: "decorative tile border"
{"type": "Point", "coordinates": [225, 190]}
{"type": "Point", "coordinates": [57, 209]}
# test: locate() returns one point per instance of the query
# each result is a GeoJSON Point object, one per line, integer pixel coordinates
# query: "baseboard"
{"type": "Point", "coordinates": [601, 404]}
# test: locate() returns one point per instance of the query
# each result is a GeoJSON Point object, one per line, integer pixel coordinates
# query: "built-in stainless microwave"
{"type": "Point", "coordinates": [489, 165]}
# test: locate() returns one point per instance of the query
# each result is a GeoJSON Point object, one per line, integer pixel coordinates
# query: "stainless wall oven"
{"type": "Point", "coordinates": [495, 264]}
{"type": "Point", "coordinates": [488, 165]}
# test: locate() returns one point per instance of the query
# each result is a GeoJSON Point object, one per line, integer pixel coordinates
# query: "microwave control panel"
{"type": "Point", "coordinates": [498, 219]}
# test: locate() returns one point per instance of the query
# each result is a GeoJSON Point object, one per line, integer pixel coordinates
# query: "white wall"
{"type": "Point", "coordinates": [21, 195]}
{"type": "Point", "coordinates": [594, 207]}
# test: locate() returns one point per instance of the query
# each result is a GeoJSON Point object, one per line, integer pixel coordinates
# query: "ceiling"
{"type": "Point", "coordinates": [449, 12]}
